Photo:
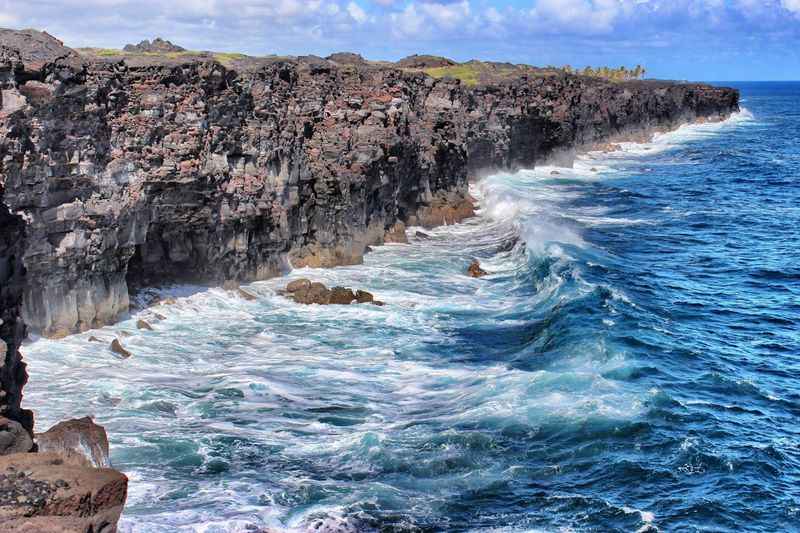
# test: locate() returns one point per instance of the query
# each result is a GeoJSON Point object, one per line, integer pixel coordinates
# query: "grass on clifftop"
{"type": "Point", "coordinates": [473, 72]}
{"type": "Point", "coordinates": [222, 57]}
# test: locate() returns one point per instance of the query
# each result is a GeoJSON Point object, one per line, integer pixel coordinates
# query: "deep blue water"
{"type": "Point", "coordinates": [631, 362]}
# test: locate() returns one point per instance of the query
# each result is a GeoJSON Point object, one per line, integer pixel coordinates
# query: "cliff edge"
{"type": "Point", "coordinates": [121, 170]}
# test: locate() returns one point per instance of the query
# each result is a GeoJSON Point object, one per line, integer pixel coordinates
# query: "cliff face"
{"type": "Point", "coordinates": [123, 172]}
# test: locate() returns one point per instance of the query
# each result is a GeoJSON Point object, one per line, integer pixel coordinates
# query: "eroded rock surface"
{"type": "Point", "coordinates": [80, 440]}
{"type": "Point", "coordinates": [44, 493]}
{"type": "Point", "coordinates": [141, 169]}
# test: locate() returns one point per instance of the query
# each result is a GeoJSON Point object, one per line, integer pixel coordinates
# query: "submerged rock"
{"type": "Point", "coordinates": [142, 324]}
{"type": "Point", "coordinates": [475, 269]}
{"type": "Point", "coordinates": [79, 439]}
{"type": "Point", "coordinates": [117, 348]}
{"type": "Point", "coordinates": [94, 339]}
{"type": "Point", "coordinates": [46, 493]}
{"type": "Point", "coordinates": [246, 295]}
{"type": "Point", "coordinates": [13, 437]}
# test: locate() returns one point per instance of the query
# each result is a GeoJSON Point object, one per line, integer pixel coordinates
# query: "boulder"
{"type": "Point", "coordinates": [298, 285]}
{"type": "Point", "coordinates": [79, 439]}
{"type": "Point", "coordinates": [44, 493]}
{"type": "Point", "coordinates": [246, 295]}
{"type": "Point", "coordinates": [13, 437]}
{"type": "Point", "coordinates": [363, 297]}
{"type": "Point", "coordinates": [475, 270]}
{"type": "Point", "coordinates": [141, 324]}
{"type": "Point", "coordinates": [342, 296]}
{"type": "Point", "coordinates": [316, 293]}
{"type": "Point", "coordinates": [117, 348]}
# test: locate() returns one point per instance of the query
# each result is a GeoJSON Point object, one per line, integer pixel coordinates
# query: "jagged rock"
{"type": "Point", "coordinates": [158, 45]}
{"type": "Point", "coordinates": [143, 324]}
{"type": "Point", "coordinates": [341, 296]}
{"type": "Point", "coordinates": [364, 297]}
{"type": "Point", "coordinates": [422, 235]}
{"type": "Point", "coordinates": [44, 493]}
{"type": "Point", "coordinates": [316, 293]}
{"type": "Point", "coordinates": [246, 295]}
{"type": "Point", "coordinates": [117, 348]}
{"type": "Point", "coordinates": [396, 234]}
{"type": "Point", "coordinates": [298, 285]}
{"type": "Point", "coordinates": [79, 439]}
{"type": "Point", "coordinates": [475, 270]}
{"type": "Point", "coordinates": [264, 161]}
{"type": "Point", "coordinates": [13, 437]}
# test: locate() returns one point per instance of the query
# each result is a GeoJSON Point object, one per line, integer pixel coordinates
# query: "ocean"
{"type": "Point", "coordinates": [630, 363]}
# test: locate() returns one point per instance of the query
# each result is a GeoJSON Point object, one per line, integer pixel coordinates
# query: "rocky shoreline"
{"type": "Point", "coordinates": [123, 171]}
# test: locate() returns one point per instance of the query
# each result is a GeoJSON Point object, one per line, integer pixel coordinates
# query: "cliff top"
{"type": "Point", "coordinates": [37, 48]}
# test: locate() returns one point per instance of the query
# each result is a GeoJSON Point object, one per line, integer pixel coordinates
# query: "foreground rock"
{"type": "Point", "coordinates": [118, 349]}
{"type": "Point", "coordinates": [180, 168]}
{"type": "Point", "coordinates": [475, 270]}
{"type": "Point", "coordinates": [46, 493]}
{"type": "Point", "coordinates": [13, 437]}
{"type": "Point", "coordinates": [304, 291]}
{"type": "Point", "coordinates": [78, 440]}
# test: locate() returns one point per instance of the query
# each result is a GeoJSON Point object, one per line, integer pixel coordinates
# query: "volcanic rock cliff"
{"type": "Point", "coordinates": [127, 170]}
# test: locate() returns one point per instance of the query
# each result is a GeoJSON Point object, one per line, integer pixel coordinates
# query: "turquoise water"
{"type": "Point", "coordinates": [630, 363]}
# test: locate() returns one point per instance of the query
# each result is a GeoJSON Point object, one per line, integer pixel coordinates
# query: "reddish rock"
{"type": "Point", "coordinates": [342, 296]}
{"type": "Point", "coordinates": [44, 493]}
{"type": "Point", "coordinates": [117, 348]}
{"type": "Point", "coordinates": [79, 439]}
{"type": "Point", "coordinates": [396, 234]}
{"type": "Point", "coordinates": [298, 285]}
{"type": "Point", "coordinates": [475, 270]}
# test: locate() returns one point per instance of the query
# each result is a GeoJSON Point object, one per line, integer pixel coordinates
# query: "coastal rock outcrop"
{"type": "Point", "coordinates": [78, 440]}
{"type": "Point", "coordinates": [304, 291]}
{"type": "Point", "coordinates": [139, 169]}
{"type": "Point", "coordinates": [46, 493]}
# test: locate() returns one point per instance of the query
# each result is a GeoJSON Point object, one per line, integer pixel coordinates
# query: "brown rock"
{"type": "Point", "coordinates": [13, 437]}
{"type": "Point", "coordinates": [475, 269]}
{"type": "Point", "coordinates": [80, 439]}
{"type": "Point", "coordinates": [230, 285]}
{"type": "Point", "coordinates": [94, 339]}
{"type": "Point", "coordinates": [298, 285]}
{"type": "Point", "coordinates": [342, 296]}
{"type": "Point", "coordinates": [378, 303]}
{"type": "Point", "coordinates": [117, 348]}
{"type": "Point", "coordinates": [396, 234]}
{"type": "Point", "coordinates": [159, 316]}
{"type": "Point", "coordinates": [316, 293]}
{"type": "Point", "coordinates": [246, 295]}
{"type": "Point", "coordinates": [364, 297]}
{"type": "Point", "coordinates": [141, 324]}
{"type": "Point", "coordinates": [44, 493]}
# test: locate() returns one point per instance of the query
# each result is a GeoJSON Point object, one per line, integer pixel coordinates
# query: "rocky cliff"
{"type": "Point", "coordinates": [119, 171]}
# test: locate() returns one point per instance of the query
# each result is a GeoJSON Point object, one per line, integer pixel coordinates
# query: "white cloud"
{"type": "Point", "coordinates": [358, 14]}
{"type": "Point", "coordinates": [791, 5]}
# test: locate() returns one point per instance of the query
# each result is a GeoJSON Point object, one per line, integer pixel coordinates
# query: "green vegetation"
{"type": "Point", "coordinates": [612, 74]}
{"type": "Point", "coordinates": [227, 58]}
{"type": "Point", "coordinates": [468, 73]}
{"type": "Point", "coordinates": [222, 57]}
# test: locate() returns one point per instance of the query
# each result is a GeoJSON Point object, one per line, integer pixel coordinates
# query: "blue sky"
{"type": "Point", "coordinates": [676, 39]}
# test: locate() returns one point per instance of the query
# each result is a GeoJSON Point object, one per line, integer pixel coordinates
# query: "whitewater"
{"type": "Point", "coordinates": [625, 366]}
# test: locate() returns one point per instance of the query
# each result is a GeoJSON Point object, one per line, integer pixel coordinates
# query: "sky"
{"type": "Point", "coordinates": [673, 39]}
